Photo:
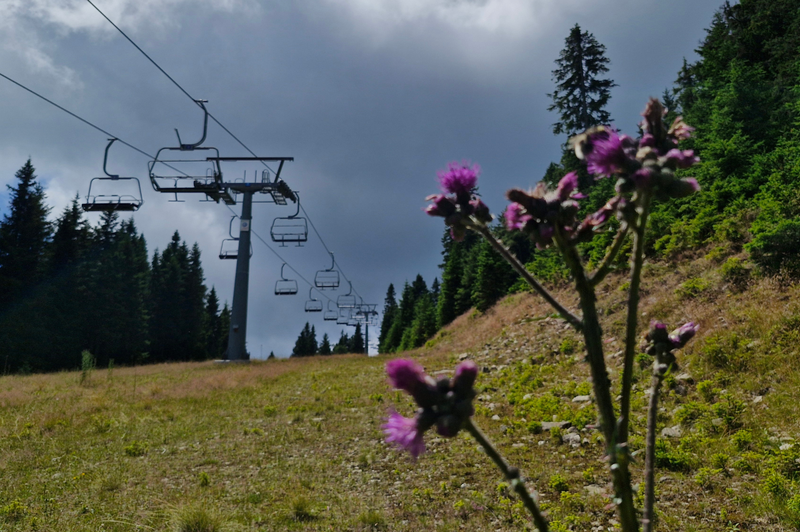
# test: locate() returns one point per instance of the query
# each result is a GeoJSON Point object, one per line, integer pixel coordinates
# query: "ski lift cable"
{"type": "Point", "coordinates": [184, 91]}
{"type": "Point", "coordinates": [98, 128]}
{"type": "Point", "coordinates": [288, 265]}
{"type": "Point", "coordinates": [229, 132]}
{"type": "Point", "coordinates": [314, 227]}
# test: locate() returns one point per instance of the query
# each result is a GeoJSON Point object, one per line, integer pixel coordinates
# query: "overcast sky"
{"type": "Point", "coordinates": [371, 98]}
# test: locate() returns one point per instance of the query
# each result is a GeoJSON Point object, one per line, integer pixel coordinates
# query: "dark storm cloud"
{"type": "Point", "coordinates": [370, 97]}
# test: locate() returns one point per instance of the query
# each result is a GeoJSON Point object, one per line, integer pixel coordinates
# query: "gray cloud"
{"type": "Point", "coordinates": [370, 97]}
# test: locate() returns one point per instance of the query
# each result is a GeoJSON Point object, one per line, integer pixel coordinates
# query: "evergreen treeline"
{"type": "Point", "coordinates": [473, 275]}
{"type": "Point", "coordinates": [743, 96]}
{"type": "Point", "coordinates": [306, 344]}
{"type": "Point", "coordinates": [66, 287]}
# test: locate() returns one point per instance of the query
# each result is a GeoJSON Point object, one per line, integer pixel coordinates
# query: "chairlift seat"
{"type": "Point", "coordinates": [326, 279]}
{"type": "Point", "coordinates": [313, 305]}
{"type": "Point", "coordinates": [330, 315]}
{"type": "Point", "coordinates": [289, 230]}
{"type": "Point", "coordinates": [346, 301]}
{"type": "Point", "coordinates": [286, 287]}
{"type": "Point", "coordinates": [111, 203]}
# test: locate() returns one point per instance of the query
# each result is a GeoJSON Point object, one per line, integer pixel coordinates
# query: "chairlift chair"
{"type": "Point", "coordinates": [347, 300]}
{"type": "Point", "coordinates": [112, 192]}
{"type": "Point", "coordinates": [343, 320]}
{"type": "Point", "coordinates": [292, 228]}
{"type": "Point", "coordinates": [313, 305]}
{"type": "Point", "coordinates": [209, 182]}
{"type": "Point", "coordinates": [229, 249]}
{"type": "Point", "coordinates": [327, 279]}
{"type": "Point", "coordinates": [330, 315]}
{"type": "Point", "coordinates": [284, 286]}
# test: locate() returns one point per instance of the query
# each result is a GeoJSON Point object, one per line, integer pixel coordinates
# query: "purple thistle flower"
{"type": "Point", "coordinates": [658, 332]}
{"type": "Point", "coordinates": [647, 141]}
{"type": "Point", "coordinates": [567, 185]}
{"type": "Point", "coordinates": [466, 373]}
{"type": "Point", "coordinates": [516, 218]}
{"type": "Point", "coordinates": [404, 433]}
{"type": "Point", "coordinates": [681, 336]}
{"type": "Point", "coordinates": [441, 206]}
{"type": "Point", "coordinates": [409, 376]}
{"type": "Point", "coordinates": [459, 178]}
{"type": "Point", "coordinates": [480, 211]}
{"type": "Point", "coordinates": [680, 130]}
{"type": "Point", "coordinates": [680, 159]}
{"type": "Point", "coordinates": [607, 155]}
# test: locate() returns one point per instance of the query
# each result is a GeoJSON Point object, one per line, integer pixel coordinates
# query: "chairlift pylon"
{"type": "Point", "coordinates": [284, 286]}
{"type": "Point", "coordinates": [347, 300]}
{"type": "Point", "coordinates": [330, 315]}
{"type": "Point", "coordinates": [116, 198]}
{"type": "Point", "coordinates": [327, 279]}
{"type": "Point", "coordinates": [292, 228]}
{"type": "Point", "coordinates": [313, 305]}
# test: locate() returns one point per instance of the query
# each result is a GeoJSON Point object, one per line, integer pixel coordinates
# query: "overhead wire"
{"type": "Point", "coordinates": [98, 128]}
{"type": "Point", "coordinates": [185, 92]}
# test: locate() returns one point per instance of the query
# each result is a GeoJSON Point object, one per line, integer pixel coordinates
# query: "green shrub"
{"type": "Point", "coordinates": [720, 461]}
{"type": "Point", "coordinates": [136, 448]}
{"type": "Point", "coordinates": [777, 250]}
{"type": "Point", "coordinates": [691, 288]}
{"type": "Point", "coordinates": [534, 427]}
{"type": "Point", "coordinates": [690, 412]}
{"type": "Point", "coordinates": [742, 440]}
{"type": "Point", "coordinates": [730, 410]}
{"type": "Point", "coordinates": [203, 479]}
{"type": "Point", "coordinates": [725, 351]}
{"type": "Point", "coordinates": [87, 366]}
{"type": "Point", "coordinates": [558, 483]}
{"type": "Point", "coordinates": [373, 520]}
{"type": "Point", "coordinates": [14, 511]}
{"type": "Point", "coordinates": [775, 484]}
{"type": "Point", "coordinates": [748, 463]}
{"type": "Point", "coordinates": [672, 458]}
{"type": "Point", "coordinates": [301, 510]}
{"type": "Point", "coordinates": [735, 272]}
{"type": "Point", "coordinates": [706, 477]}
{"type": "Point", "coordinates": [707, 391]}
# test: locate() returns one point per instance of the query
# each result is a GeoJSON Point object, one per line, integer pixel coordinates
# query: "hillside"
{"type": "Point", "coordinates": [296, 444]}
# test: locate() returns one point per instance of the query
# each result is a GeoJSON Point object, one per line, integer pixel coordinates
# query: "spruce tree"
{"type": "Point", "coordinates": [325, 346]}
{"type": "Point", "coordinates": [343, 345]}
{"type": "Point", "coordinates": [389, 310]}
{"type": "Point", "coordinates": [357, 341]}
{"type": "Point", "coordinates": [213, 333]}
{"type": "Point", "coordinates": [24, 234]}
{"type": "Point", "coordinates": [581, 94]}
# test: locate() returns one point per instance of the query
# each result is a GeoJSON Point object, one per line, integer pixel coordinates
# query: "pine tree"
{"type": "Point", "coordinates": [357, 341]}
{"type": "Point", "coordinates": [581, 95]}
{"type": "Point", "coordinates": [24, 234]}
{"type": "Point", "coordinates": [213, 333]}
{"type": "Point", "coordinates": [325, 346]}
{"type": "Point", "coordinates": [306, 343]}
{"type": "Point", "coordinates": [224, 327]}
{"type": "Point", "coordinates": [343, 345]}
{"type": "Point", "coordinates": [389, 310]}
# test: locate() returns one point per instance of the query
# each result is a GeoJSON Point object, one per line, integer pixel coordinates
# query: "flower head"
{"type": "Point", "coordinates": [680, 159]}
{"type": "Point", "coordinates": [607, 155]}
{"type": "Point", "coordinates": [679, 130]}
{"type": "Point", "coordinates": [459, 178]}
{"type": "Point", "coordinates": [445, 404]}
{"type": "Point", "coordinates": [681, 336]}
{"type": "Point", "coordinates": [404, 433]}
{"type": "Point", "coordinates": [441, 206]}
{"type": "Point", "coordinates": [516, 217]}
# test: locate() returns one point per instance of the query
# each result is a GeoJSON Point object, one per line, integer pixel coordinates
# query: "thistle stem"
{"type": "Point", "coordinates": [649, 457]}
{"type": "Point", "coordinates": [637, 261]}
{"type": "Point", "coordinates": [512, 474]}
{"type": "Point", "coordinates": [525, 274]}
{"type": "Point", "coordinates": [605, 265]}
{"type": "Point", "coordinates": [593, 338]}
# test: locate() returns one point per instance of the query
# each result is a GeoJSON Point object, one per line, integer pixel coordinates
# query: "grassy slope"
{"type": "Point", "coordinates": [296, 444]}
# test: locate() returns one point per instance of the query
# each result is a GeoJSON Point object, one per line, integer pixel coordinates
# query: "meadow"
{"type": "Point", "coordinates": [297, 444]}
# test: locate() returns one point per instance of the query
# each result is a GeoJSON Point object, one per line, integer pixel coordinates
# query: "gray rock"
{"type": "Point", "coordinates": [671, 432]}
{"type": "Point", "coordinates": [547, 425]}
{"type": "Point", "coordinates": [495, 418]}
{"type": "Point", "coordinates": [572, 439]}
{"type": "Point", "coordinates": [594, 489]}
{"type": "Point", "coordinates": [581, 398]}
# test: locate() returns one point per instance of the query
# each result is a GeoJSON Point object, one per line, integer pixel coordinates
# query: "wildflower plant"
{"type": "Point", "coordinates": [645, 170]}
